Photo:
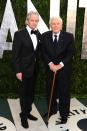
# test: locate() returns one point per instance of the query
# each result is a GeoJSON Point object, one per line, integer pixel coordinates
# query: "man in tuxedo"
{"type": "Point", "coordinates": [25, 51]}
{"type": "Point", "coordinates": [58, 50]}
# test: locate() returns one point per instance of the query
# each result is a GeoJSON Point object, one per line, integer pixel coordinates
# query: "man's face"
{"type": "Point", "coordinates": [33, 21]}
{"type": "Point", "coordinates": [56, 25]}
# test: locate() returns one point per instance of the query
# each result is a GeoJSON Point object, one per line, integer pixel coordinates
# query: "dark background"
{"type": "Point", "coordinates": [8, 83]}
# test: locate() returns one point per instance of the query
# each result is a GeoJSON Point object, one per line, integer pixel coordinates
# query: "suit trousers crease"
{"type": "Point", "coordinates": [61, 90]}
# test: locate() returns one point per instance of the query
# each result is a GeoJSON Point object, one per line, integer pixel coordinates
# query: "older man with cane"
{"type": "Point", "coordinates": [58, 50]}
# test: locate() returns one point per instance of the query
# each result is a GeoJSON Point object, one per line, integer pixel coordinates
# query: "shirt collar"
{"type": "Point", "coordinates": [56, 34]}
{"type": "Point", "coordinates": [29, 29]}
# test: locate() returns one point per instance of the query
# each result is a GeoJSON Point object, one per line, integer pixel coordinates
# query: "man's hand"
{"type": "Point", "coordinates": [59, 66]}
{"type": "Point", "coordinates": [19, 76]}
{"type": "Point", "coordinates": [54, 67]}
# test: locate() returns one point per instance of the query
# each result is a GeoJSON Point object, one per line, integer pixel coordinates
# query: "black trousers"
{"type": "Point", "coordinates": [27, 90]}
{"type": "Point", "coordinates": [61, 91]}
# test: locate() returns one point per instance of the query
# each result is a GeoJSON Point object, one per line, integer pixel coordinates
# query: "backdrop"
{"type": "Point", "coordinates": [73, 13]}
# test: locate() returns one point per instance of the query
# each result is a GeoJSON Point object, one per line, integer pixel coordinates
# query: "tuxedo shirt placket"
{"type": "Point", "coordinates": [33, 38]}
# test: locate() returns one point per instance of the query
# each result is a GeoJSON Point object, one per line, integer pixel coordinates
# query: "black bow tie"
{"type": "Point", "coordinates": [33, 32]}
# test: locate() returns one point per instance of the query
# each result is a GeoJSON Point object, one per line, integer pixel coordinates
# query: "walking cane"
{"type": "Point", "coordinates": [51, 97]}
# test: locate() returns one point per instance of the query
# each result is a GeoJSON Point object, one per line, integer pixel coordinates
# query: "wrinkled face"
{"type": "Point", "coordinates": [33, 21]}
{"type": "Point", "coordinates": [56, 25]}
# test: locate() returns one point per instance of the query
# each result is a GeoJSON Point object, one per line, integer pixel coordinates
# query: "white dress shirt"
{"type": "Point", "coordinates": [57, 34]}
{"type": "Point", "coordinates": [33, 37]}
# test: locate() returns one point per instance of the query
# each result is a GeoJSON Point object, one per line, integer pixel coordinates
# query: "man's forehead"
{"type": "Point", "coordinates": [33, 16]}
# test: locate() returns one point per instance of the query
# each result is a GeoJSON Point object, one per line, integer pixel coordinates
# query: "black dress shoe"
{"type": "Point", "coordinates": [31, 117]}
{"type": "Point", "coordinates": [24, 121]}
{"type": "Point", "coordinates": [63, 121]}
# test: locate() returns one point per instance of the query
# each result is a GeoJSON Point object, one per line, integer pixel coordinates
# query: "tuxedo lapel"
{"type": "Point", "coordinates": [50, 44]}
{"type": "Point", "coordinates": [28, 39]}
{"type": "Point", "coordinates": [51, 40]}
{"type": "Point", "coordinates": [60, 40]}
{"type": "Point", "coordinates": [38, 35]}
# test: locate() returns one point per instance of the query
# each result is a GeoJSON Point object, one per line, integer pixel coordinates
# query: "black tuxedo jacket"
{"type": "Point", "coordinates": [24, 55]}
{"type": "Point", "coordinates": [64, 50]}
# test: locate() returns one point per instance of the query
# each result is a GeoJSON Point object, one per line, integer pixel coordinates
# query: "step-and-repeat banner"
{"type": "Point", "coordinates": [9, 22]}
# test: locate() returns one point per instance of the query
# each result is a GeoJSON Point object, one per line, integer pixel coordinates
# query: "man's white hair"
{"type": "Point", "coordinates": [57, 18]}
{"type": "Point", "coordinates": [30, 14]}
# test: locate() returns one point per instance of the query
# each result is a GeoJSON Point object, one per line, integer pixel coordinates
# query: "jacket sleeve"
{"type": "Point", "coordinates": [16, 51]}
{"type": "Point", "coordinates": [70, 50]}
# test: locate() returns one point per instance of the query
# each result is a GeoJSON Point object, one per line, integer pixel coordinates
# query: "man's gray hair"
{"type": "Point", "coordinates": [56, 17]}
{"type": "Point", "coordinates": [29, 15]}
